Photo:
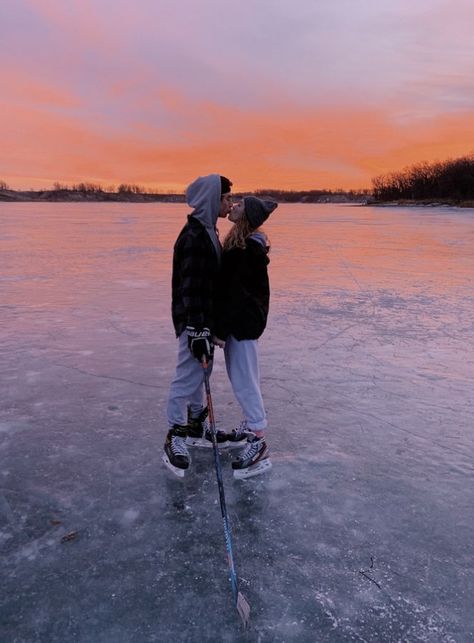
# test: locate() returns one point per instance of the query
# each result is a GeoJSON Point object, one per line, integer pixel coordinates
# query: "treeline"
{"type": "Point", "coordinates": [95, 188]}
{"type": "Point", "coordinates": [91, 188]}
{"type": "Point", "coordinates": [452, 179]}
{"type": "Point", "coordinates": [289, 196]}
{"type": "Point", "coordinates": [87, 191]}
{"type": "Point", "coordinates": [312, 196]}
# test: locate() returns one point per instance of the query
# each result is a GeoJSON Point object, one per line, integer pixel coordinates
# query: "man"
{"type": "Point", "coordinates": [196, 261]}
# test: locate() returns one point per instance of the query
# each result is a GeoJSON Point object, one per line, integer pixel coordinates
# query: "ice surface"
{"type": "Point", "coordinates": [362, 530]}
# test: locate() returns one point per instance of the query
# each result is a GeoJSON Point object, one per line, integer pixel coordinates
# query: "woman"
{"type": "Point", "coordinates": [243, 303]}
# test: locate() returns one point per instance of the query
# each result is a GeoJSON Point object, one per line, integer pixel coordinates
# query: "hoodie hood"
{"type": "Point", "coordinates": [262, 239]}
{"type": "Point", "coordinates": [204, 196]}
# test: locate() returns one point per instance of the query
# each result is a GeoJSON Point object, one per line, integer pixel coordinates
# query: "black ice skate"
{"type": "Point", "coordinates": [254, 459]}
{"type": "Point", "coordinates": [175, 454]}
{"type": "Point", "coordinates": [199, 432]}
{"type": "Point", "coordinates": [238, 437]}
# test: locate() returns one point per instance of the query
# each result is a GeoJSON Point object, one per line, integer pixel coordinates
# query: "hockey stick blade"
{"type": "Point", "coordinates": [243, 609]}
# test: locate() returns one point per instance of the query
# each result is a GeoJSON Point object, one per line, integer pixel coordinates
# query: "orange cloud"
{"type": "Point", "coordinates": [290, 148]}
{"type": "Point", "coordinates": [23, 90]}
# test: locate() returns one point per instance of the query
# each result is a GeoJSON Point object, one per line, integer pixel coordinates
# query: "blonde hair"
{"type": "Point", "coordinates": [237, 235]}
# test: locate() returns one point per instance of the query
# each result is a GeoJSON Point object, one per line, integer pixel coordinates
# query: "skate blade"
{"type": "Point", "coordinates": [255, 470]}
{"type": "Point", "coordinates": [202, 443]}
{"type": "Point", "coordinates": [177, 472]}
{"type": "Point", "coordinates": [243, 609]}
{"type": "Point", "coordinates": [236, 445]}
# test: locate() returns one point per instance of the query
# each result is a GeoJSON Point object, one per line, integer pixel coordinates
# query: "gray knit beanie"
{"type": "Point", "coordinates": [258, 210]}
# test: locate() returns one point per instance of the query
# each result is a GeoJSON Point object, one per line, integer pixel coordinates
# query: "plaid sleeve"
{"type": "Point", "coordinates": [196, 274]}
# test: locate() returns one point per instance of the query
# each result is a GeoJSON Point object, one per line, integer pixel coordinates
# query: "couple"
{"type": "Point", "coordinates": [220, 295]}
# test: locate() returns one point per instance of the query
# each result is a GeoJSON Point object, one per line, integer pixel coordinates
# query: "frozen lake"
{"type": "Point", "coordinates": [362, 531]}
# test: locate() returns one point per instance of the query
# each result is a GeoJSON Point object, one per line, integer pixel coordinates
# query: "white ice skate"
{"type": "Point", "coordinates": [175, 454]}
{"type": "Point", "coordinates": [254, 460]}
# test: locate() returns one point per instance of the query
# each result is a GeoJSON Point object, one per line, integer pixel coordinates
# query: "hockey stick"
{"type": "Point", "coordinates": [241, 604]}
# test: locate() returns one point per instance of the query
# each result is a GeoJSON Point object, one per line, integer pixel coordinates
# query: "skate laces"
{"type": "Point", "coordinates": [251, 449]}
{"type": "Point", "coordinates": [178, 446]}
{"type": "Point", "coordinates": [241, 431]}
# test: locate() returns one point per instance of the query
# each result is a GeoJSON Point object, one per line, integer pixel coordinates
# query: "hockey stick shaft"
{"type": "Point", "coordinates": [240, 602]}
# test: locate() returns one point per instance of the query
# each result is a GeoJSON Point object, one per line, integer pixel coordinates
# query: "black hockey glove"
{"type": "Point", "coordinates": [200, 343]}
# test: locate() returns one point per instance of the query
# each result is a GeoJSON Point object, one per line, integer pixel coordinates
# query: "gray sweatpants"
{"type": "Point", "coordinates": [241, 360]}
{"type": "Point", "coordinates": [187, 386]}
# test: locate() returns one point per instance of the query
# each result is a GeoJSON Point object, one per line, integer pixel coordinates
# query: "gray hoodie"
{"type": "Point", "coordinates": [204, 195]}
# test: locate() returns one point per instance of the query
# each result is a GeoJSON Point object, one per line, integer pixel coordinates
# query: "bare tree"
{"type": "Point", "coordinates": [87, 187]}
{"type": "Point", "coordinates": [130, 188]}
{"type": "Point", "coordinates": [60, 186]}
{"type": "Point", "coordinates": [451, 179]}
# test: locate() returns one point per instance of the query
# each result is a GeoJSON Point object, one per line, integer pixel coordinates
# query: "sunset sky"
{"type": "Point", "coordinates": [291, 94]}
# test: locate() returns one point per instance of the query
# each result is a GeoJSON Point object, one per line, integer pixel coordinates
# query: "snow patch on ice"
{"type": "Point", "coordinates": [7, 427]}
{"type": "Point", "coordinates": [129, 516]}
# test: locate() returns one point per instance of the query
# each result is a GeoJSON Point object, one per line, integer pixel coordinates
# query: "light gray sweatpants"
{"type": "Point", "coordinates": [241, 360]}
{"type": "Point", "coordinates": [187, 386]}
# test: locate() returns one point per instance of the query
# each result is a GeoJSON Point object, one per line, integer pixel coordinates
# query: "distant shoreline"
{"type": "Point", "coordinates": [309, 197]}
{"type": "Point", "coordinates": [76, 196]}
{"type": "Point", "coordinates": [427, 203]}
{"type": "Point", "coordinates": [101, 196]}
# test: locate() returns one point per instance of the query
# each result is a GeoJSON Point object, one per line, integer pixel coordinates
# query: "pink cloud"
{"type": "Point", "coordinates": [21, 88]}
{"type": "Point", "coordinates": [292, 149]}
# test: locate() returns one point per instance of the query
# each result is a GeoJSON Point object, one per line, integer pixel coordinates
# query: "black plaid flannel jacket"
{"type": "Point", "coordinates": [194, 281]}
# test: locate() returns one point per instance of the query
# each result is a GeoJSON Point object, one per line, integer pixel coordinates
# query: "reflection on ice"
{"type": "Point", "coordinates": [363, 528]}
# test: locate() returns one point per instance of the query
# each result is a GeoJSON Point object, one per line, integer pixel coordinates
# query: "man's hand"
{"type": "Point", "coordinates": [218, 342]}
{"type": "Point", "coordinates": [200, 343]}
